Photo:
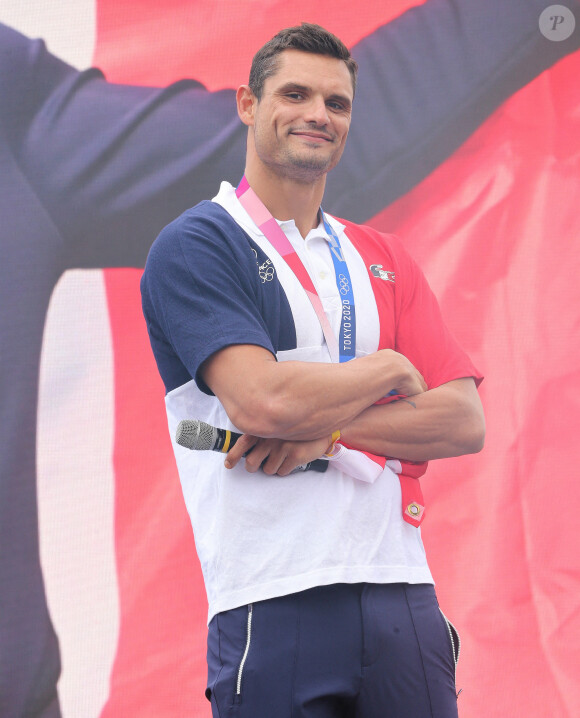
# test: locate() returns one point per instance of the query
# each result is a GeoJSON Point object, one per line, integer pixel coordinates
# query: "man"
{"type": "Point", "coordinates": [91, 171]}
{"type": "Point", "coordinates": [270, 317]}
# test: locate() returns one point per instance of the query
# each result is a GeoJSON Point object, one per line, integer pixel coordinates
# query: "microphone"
{"type": "Point", "coordinates": [199, 436]}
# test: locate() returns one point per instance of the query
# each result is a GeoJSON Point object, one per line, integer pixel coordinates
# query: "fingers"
{"type": "Point", "coordinates": [257, 453]}
{"type": "Point", "coordinates": [411, 381]}
{"type": "Point", "coordinates": [242, 445]}
{"type": "Point", "coordinates": [263, 456]}
{"type": "Point", "coordinates": [422, 382]}
{"type": "Point", "coordinates": [274, 456]}
{"type": "Point", "coordinates": [274, 464]}
{"type": "Point", "coordinates": [286, 456]}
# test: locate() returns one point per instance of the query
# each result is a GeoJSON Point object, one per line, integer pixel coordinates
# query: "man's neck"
{"type": "Point", "coordinates": [286, 198]}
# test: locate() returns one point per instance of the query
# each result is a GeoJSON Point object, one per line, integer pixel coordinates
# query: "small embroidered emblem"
{"type": "Point", "coordinates": [266, 271]}
{"type": "Point", "coordinates": [378, 271]}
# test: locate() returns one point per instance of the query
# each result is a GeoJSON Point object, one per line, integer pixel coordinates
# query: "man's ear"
{"type": "Point", "coordinates": [246, 102]}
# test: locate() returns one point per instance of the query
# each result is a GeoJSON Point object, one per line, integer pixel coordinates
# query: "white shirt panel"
{"type": "Point", "coordinates": [314, 253]}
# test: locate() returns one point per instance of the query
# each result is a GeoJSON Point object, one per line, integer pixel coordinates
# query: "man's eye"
{"type": "Point", "coordinates": [294, 95]}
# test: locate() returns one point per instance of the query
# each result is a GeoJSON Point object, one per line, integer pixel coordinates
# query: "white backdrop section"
{"type": "Point", "coordinates": [76, 489]}
{"type": "Point", "coordinates": [67, 26]}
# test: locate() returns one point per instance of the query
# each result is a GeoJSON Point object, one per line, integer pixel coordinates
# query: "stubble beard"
{"type": "Point", "coordinates": [304, 167]}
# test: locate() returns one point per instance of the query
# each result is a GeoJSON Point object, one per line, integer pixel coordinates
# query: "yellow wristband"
{"type": "Point", "coordinates": [333, 439]}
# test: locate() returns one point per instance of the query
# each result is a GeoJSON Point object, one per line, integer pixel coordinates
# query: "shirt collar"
{"type": "Point", "coordinates": [226, 197]}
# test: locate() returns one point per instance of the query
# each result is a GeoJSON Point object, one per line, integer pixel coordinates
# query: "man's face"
{"type": "Point", "coordinates": [302, 119]}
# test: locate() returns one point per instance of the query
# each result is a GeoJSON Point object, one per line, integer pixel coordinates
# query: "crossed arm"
{"type": "Point", "coordinates": [289, 410]}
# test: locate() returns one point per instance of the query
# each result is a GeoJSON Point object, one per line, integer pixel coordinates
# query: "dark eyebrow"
{"type": "Point", "coordinates": [293, 86]}
{"type": "Point", "coordinates": [346, 101]}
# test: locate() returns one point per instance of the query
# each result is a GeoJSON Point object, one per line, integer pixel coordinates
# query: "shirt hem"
{"type": "Point", "coordinates": [349, 574]}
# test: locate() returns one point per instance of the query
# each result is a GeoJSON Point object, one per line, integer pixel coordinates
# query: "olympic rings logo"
{"type": "Point", "coordinates": [344, 284]}
{"type": "Point", "coordinates": [266, 274]}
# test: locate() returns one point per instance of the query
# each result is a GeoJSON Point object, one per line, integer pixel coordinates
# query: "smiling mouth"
{"type": "Point", "coordinates": [314, 136]}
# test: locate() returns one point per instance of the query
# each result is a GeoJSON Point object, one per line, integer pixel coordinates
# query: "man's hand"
{"type": "Point", "coordinates": [275, 456]}
{"type": "Point", "coordinates": [410, 381]}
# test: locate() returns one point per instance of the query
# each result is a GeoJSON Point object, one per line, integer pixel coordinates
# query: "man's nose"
{"type": "Point", "coordinates": [316, 111]}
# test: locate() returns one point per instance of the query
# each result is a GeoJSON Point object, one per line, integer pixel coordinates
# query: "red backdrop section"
{"type": "Point", "coordinates": [160, 664]}
{"type": "Point", "coordinates": [214, 41]}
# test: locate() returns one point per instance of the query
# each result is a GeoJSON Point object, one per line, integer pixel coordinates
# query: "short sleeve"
{"type": "Point", "coordinates": [421, 333]}
{"type": "Point", "coordinates": [201, 293]}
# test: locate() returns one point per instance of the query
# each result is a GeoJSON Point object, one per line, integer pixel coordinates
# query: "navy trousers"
{"type": "Point", "coordinates": [344, 650]}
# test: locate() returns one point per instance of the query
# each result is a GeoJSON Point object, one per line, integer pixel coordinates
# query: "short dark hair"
{"type": "Point", "coordinates": [306, 37]}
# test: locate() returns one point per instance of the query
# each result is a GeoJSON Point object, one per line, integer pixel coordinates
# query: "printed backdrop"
{"type": "Point", "coordinates": [496, 228]}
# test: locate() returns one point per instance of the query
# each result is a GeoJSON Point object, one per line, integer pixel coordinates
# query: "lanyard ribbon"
{"type": "Point", "coordinates": [342, 349]}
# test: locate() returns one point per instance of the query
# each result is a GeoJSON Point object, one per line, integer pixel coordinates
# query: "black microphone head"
{"type": "Point", "coordinates": [195, 434]}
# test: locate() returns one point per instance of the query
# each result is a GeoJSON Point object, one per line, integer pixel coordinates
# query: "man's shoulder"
{"type": "Point", "coordinates": [206, 220]}
{"type": "Point", "coordinates": [368, 239]}
{"type": "Point", "coordinates": [204, 231]}
{"type": "Point", "coordinates": [14, 47]}
{"type": "Point", "coordinates": [20, 58]}
{"type": "Point", "coordinates": [205, 213]}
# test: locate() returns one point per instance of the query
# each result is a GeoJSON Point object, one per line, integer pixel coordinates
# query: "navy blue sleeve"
{"type": "Point", "coordinates": [427, 80]}
{"type": "Point", "coordinates": [113, 164]}
{"type": "Point", "coordinates": [201, 292]}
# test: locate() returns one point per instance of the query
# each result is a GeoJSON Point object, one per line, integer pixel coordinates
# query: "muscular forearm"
{"type": "Point", "coordinates": [445, 421]}
{"type": "Point", "coordinates": [302, 400]}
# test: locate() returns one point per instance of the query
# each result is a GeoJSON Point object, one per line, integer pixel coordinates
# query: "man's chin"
{"type": "Point", "coordinates": [307, 166]}
{"type": "Point", "coordinates": [310, 163]}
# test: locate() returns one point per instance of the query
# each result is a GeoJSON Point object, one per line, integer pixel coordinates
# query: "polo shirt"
{"type": "Point", "coordinates": [211, 280]}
